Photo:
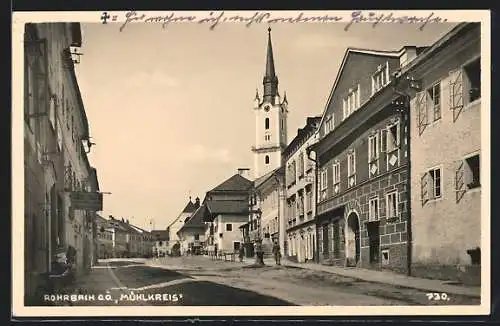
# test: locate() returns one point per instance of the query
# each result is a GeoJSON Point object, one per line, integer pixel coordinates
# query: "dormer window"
{"type": "Point", "coordinates": [380, 78]}
{"type": "Point", "coordinates": [352, 101]}
{"type": "Point", "coordinates": [329, 124]}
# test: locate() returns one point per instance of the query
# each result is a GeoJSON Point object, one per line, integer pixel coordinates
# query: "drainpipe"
{"type": "Point", "coordinates": [316, 256]}
{"type": "Point", "coordinates": [405, 113]}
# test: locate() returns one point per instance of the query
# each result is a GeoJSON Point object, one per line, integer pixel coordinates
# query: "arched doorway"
{"type": "Point", "coordinates": [352, 238]}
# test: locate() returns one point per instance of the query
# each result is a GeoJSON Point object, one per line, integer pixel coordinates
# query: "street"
{"type": "Point", "coordinates": [199, 281]}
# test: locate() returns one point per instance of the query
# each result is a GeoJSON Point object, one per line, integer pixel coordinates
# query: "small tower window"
{"type": "Point", "coordinates": [266, 123]}
{"type": "Point", "coordinates": [267, 159]}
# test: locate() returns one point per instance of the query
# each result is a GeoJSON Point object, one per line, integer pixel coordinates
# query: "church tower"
{"type": "Point", "coordinates": [270, 120]}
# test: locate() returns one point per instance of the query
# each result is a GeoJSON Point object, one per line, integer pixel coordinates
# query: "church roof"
{"type": "Point", "coordinates": [270, 71]}
{"type": "Point", "coordinates": [195, 220]}
{"type": "Point", "coordinates": [234, 183]}
{"type": "Point", "coordinates": [190, 207]}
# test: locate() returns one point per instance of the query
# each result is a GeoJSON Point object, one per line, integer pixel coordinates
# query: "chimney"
{"type": "Point", "coordinates": [244, 172]}
{"type": "Point", "coordinates": [197, 202]}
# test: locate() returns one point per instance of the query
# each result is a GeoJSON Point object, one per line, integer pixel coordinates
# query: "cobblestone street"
{"type": "Point", "coordinates": [197, 280]}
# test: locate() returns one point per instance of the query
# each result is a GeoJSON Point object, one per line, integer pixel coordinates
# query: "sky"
{"type": "Point", "coordinates": [170, 110]}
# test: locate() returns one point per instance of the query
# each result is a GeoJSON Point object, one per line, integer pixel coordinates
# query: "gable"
{"type": "Point", "coordinates": [234, 183]}
{"type": "Point", "coordinates": [356, 69]}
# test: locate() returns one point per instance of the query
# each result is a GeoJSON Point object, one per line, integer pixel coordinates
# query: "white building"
{"type": "Point", "coordinates": [176, 225]}
{"type": "Point", "coordinates": [300, 175]}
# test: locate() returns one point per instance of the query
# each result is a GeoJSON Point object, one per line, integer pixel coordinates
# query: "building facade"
{"type": "Point", "coordinates": [56, 143]}
{"type": "Point", "coordinates": [226, 211]}
{"type": "Point", "coordinates": [176, 225]}
{"type": "Point", "coordinates": [266, 211]}
{"type": "Point", "coordinates": [300, 196]}
{"type": "Point", "coordinates": [160, 243]}
{"type": "Point", "coordinates": [445, 155]}
{"type": "Point", "coordinates": [192, 233]}
{"type": "Point", "coordinates": [362, 210]}
{"type": "Point", "coordinates": [270, 121]}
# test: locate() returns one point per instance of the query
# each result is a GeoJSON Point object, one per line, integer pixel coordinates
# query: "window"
{"type": "Point", "coordinates": [351, 168]}
{"type": "Point", "coordinates": [472, 172]}
{"type": "Point", "coordinates": [352, 102]}
{"type": "Point", "coordinates": [309, 196]}
{"type": "Point", "coordinates": [266, 123]}
{"type": "Point", "coordinates": [301, 165]}
{"type": "Point", "coordinates": [392, 205]}
{"type": "Point", "coordinates": [324, 180]}
{"type": "Point", "coordinates": [380, 78]}
{"type": "Point", "coordinates": [267, 137]}
{"type": "Point", "coordinates": [236, 246]}
{"type": "Point", "coordinates": [434, 101]}
{"type": "Point", "coordinates": [373, 151]}
{"type": "Point", "coordinates": [385, 257]}
{"type": "Point", "coordinates": [267, 159]}
{"type": "Point", "coordinates": [467, 176]}
{"type": "Point", "coordinates": [393, 135]}
{"type": "Point", "coordinates": [336, 177]}
{"type": "Point", "coordinates": [282, 124]}
{"type": "Point", "coordinates": [229, 227]}
{"type": "Point", "coordinates": [196, 237]}
{"type": "Point", "coordinates": [373, 209]}
{"type": "Point", "coordinates": [431, 185]}
{"type": "Point", "coordinates": [473, 80]}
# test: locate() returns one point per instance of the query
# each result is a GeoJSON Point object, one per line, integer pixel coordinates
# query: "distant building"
{"type": "Point", "coordinates": [300, 205]}
{"type": "Point", "coordinates": [160, 242]}
{"type": "Point", "coordinates": [226, 210]}
{"type": "Point", "coordinates": [176, 225]}
{"type": "Point", "coordinates": [445, 155]}
{"type": "Point", "coordinates": [266, 211]}
{"type": "Point", "coordinates": [192, 233]}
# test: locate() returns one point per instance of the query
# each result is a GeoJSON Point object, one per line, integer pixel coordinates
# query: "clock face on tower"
{"type": "Point", "coordinates": [267, 107]}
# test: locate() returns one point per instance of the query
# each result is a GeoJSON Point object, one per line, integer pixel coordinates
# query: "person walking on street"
{"type": "Point", "coordinates": [277, 253]}
{"type": "Point", "coordinates": [259, 251]}
{"type": "Point", "coordinates": [241, 253]}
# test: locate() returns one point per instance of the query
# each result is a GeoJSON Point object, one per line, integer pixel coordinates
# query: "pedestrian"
{"type": "Point", "coordinates": [277, 253]}
{"type": "Point", "coordinates": [241, 253]}
{"type": "Point", "coordinates": [259, 250]}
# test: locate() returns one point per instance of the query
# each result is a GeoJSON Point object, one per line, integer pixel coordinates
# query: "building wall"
{"type": "Point", "coordinates": [444, 229]}
{"type": "Point", "coordinates": [188, 238]}
{"type": "Point", "coordinates": [300, 243]}
{"type": "Point", "coordinates": [344, 206]}
{"type": "Point", "coordinates": [358, 69]}
{"type": "Point", "coordinates": [48, 147]}
{"type": "Point", "coordinates": [226, 241]}
{"type": "Point", "coordinates": [174, 228]}
{"type": "Point", "coordinates": [277, 133]}
{"type": "Point", "coordinates": [161, 247]}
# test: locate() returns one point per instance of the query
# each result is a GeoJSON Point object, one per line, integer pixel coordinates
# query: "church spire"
{"type": "Point", "coordinates": [270, 80]}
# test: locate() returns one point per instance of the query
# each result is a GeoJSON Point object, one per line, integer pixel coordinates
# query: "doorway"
{"type": "Point", "coordinates": [353, 245]}
{"type": "Point", "coordinates": [325, 241]}
{"type": "Point", "coordinates": [374, 237]}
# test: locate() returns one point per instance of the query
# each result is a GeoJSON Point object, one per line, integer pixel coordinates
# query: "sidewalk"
{"type": "Point", "coordinates": [385, 277]}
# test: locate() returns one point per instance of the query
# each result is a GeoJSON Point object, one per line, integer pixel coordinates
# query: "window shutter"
{"type": "Point", "coordinates": [422, 112]}
{"type": "Point", "coordinates": [424, 188]}
{"type": "Point", "coordinates": [456, 93]}
{"type": "Point", "coordinates": [397, 140]}
{"type": "Point", "coordinates": [460, 188]}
